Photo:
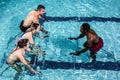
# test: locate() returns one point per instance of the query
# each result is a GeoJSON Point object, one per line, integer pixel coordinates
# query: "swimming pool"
{"type": "Point", "coordinates": [66, 16]}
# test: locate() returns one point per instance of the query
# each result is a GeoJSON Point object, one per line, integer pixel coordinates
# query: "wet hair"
{"type": "Point", "coordinates": [22, 43]}
{"type": "Point", "coordinates": [86, 26]}
{"type": "Point", "coordinates": [40, 7]}
{"type": "Point", "coordinates": [33, 26]}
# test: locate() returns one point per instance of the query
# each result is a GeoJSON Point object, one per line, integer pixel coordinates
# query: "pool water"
{"type": "Point", "coordinates": [65, 17]}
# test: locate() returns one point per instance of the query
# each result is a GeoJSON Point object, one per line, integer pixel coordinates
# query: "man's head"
{"type": "Point", "coordinates": [85, 28]}
{"type": "Point", "coordinates": [41, 9]}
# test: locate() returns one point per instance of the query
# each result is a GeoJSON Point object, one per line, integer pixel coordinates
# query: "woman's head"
{"type": "Point", "coordinates": [34, 27]}
{"type": "Point", "coordinates": [22, 43]}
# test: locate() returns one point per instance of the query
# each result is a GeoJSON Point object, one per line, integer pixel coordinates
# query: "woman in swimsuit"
{"type": "Point", "coordinates": [17, 55]}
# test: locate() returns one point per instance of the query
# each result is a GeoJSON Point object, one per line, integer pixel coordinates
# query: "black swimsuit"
{"type": "Point", "coordinates": [23, 28]}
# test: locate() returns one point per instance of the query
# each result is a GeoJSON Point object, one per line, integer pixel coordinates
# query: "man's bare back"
{"type": "Point", "coordinates": [32, 17]}
{"type": "Point", "coordinates": [92, 37]}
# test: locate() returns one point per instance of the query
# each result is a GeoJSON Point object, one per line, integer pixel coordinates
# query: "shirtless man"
{"type": "Point", "coordinates": [17, 55]}
{"type": "Point", "coordinates": [94, 43]}
{"type": "Point", "coordinates": [33, 17]}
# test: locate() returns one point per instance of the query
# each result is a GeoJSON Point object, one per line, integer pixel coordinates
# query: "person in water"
{"type": "Point", "coordinates": [17, 55]}
{"type": "Point", "coordinates": [32, 31]}
{"type": "Point", "coordinates": [94, 43]}
{"type": "Point", "coordinates": [33, 17]}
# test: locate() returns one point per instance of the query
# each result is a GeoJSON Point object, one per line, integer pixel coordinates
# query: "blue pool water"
{"type": "Point", "coordinates": [65, 17]}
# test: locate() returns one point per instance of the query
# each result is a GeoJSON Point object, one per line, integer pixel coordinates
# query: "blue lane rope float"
{"type": "Point", "coordinates": [84, 19]}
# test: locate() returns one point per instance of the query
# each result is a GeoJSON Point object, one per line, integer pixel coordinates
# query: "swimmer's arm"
{"type": "Point", "coordinates": [80, 36]}
{"type": "Point", "coordinates": [32, 42]}
{"type": "Point", "coordinates": [83, 50]}
{"type": "Point", "coordinates": [34, 46]}
{"type": "Point", "coordinates": [28, 49]}
{"type": "Point", "coordinates": [22, 59]}
{"type": "Point", "coordinates": [38, 52]}
{"type": "Point", "coordinates": [30, 38]}
{"type": "Point", "coordinates": [41, 37]}
{"type": "Point", "coordinates": [43, 30]}
{"type": "Point", "coordinates": [77, 53]}
{"type": "Point", "coordinates": [40, 17]}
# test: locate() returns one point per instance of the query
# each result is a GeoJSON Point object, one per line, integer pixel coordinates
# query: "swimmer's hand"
{"type": "Point", "coordinates": [44, 19]}
{"type": "Point", "coordinates": [36, 48]}
{"type": "Point", "coordinates": [33, 70]}
{"type": "Point", "coordinates": [46, 32]}
{"type": "Point", "coordinates": [42, 37]}
{"type": "Point", "coordinates": [38, 52]}
{"type": "Point", "coordinates": [47, 20]}
{"type": "Point", "coordinates": [46, 36]}
{"type": "Point", "coordinates": [41, 52]}
{"type": "Point", "coordinates": [36, 72]}
{"type": "Point", "coordinates": [72, 38]}
{"type": "Point", "coordinates": [77, 53]}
